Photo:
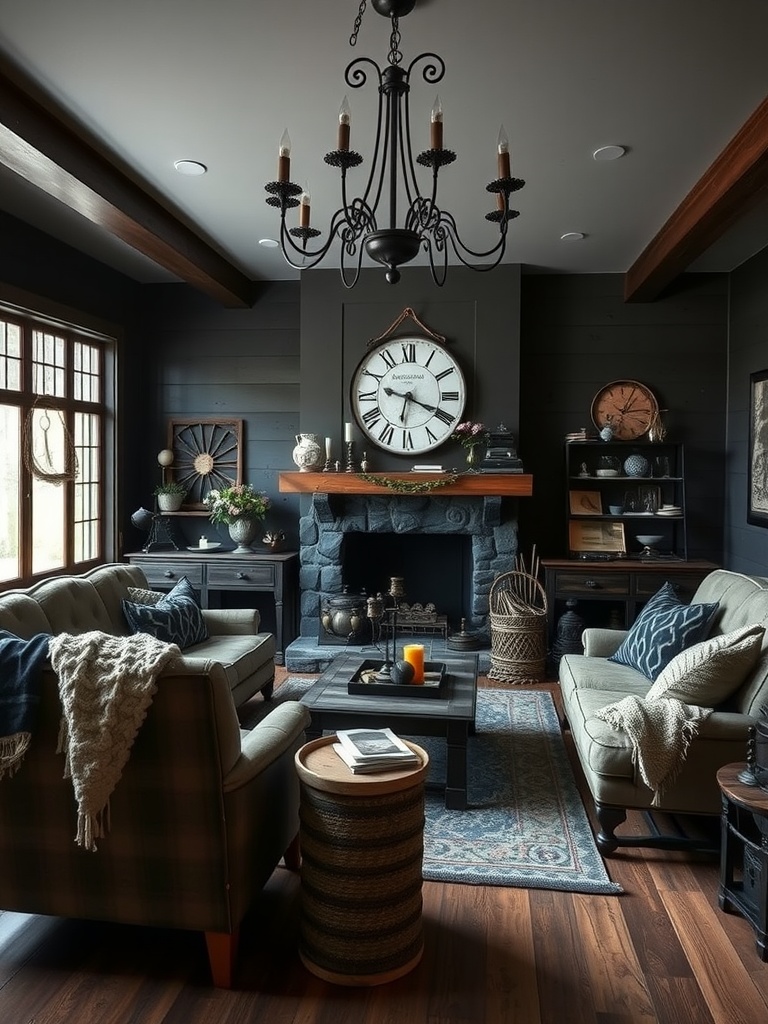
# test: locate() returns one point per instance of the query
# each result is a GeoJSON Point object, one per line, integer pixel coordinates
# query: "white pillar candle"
{"type": "Point", "coordinates": [347, 431]}
{"type": "Point", "coordinates": [203, 542]}
{"type": "Point", "coordinates": [328, 448]}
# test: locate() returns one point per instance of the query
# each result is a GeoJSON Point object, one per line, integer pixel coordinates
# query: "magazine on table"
{"type": "Point", "coordinates": [366, 750]}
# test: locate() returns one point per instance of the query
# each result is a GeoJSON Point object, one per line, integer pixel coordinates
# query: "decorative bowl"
{"type": "Point", "coordinates": [615, 510]}
{"type": "Point", "coordinates": [649, 540]}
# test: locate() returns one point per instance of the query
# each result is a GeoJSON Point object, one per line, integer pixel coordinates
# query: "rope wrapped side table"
{"type": "Point", "coordinates": [362, 845]}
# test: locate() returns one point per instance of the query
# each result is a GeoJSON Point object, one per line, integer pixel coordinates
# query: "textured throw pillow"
{"type": "Point", "coordinates": [176, 618]}
{"type": "Point", "coordinates": [709, 672]}
{"type": "Point", "coordinates": [141, 596]}
{"type": "Point", "coordinates": [663, 628]}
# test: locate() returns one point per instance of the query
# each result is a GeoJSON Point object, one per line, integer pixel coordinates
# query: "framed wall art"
{"type": "Point", "coordinates": [757, 454]}
{"type": "Point", "coordinates": [597, 538]}
{"type": "Point", "coordinates": [207, 455]}
{"type": "Point", "coordinates": [585, 503]}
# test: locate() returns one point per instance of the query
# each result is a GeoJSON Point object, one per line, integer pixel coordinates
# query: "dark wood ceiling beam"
{"type": "Point", "coordinates": [37, 143]}
{"type": "Point", "coordinates": [735, 183]}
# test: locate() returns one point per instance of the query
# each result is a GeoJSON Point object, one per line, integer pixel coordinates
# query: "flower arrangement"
{"type": "Point", "coordinates": [469, 434]}
{"type": "Point", "coordinates": [239, 501]}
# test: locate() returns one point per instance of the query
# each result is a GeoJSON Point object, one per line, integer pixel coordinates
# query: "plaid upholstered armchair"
{"type": "Point", "coordinates": [199, 819]}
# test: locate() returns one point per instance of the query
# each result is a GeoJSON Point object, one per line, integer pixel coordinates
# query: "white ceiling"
{"type": "Point", "coordinates": [160, 80]}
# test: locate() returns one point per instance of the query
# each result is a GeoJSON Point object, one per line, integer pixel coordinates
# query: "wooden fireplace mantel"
{"type": "Point", "coordinates": [503, 485]}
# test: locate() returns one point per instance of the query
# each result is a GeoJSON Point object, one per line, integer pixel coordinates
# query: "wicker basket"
{"type": "Point", "coordinates": [518, 616]}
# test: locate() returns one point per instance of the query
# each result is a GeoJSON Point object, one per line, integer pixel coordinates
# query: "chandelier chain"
{"type": "Point", "coordinates": [358, 23]}
{"type": "Point", "coordinates": [395, 53]}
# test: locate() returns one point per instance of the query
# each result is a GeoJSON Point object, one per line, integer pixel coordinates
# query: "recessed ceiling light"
{"type": "Point", "coordinates": [572, 236]}
{"type": "Point", "coordinates": [609, 153]}
{"type": "Point", "coordinates": [191, 167]}
{"type": "Point", "coordinates": [268, 243]}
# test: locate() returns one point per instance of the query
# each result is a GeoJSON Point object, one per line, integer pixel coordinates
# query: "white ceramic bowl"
{"type": "Point", "coordinates": [649, 540]}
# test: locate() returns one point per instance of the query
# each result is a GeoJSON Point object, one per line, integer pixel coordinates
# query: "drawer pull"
{"type": "Point", "coordinates": [592, 584]}
{"type": "Point", "coordinates": [168, 574]}
{"type": "Point", "coordinates": [242, 575]}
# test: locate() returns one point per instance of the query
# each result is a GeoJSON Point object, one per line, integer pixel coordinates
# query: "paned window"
{"type": "Point", "coordinates": [54, 421]}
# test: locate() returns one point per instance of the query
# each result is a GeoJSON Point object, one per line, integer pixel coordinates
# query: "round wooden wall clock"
{"type": "Point", "coordinates": [627, 406]}
{"type": "Point", "coordinates": [408, 394]}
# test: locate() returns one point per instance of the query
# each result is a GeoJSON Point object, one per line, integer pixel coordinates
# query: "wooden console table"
{"type": "Point", "coordinates": [224, 571]}
{"type": "Point", "coordinates": [624, 584]}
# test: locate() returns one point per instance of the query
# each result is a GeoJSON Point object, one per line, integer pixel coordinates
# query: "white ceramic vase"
{"type": "Point", "coordinates": [308, 455]}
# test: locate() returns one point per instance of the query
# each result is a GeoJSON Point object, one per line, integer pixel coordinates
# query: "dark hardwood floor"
{"type": "Point", "coordinates": [662, 951]}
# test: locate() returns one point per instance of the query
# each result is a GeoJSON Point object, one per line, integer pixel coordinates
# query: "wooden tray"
{"type": "Point", "coordinates": [435, 686]}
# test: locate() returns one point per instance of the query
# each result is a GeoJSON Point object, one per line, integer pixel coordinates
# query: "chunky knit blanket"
{"type": "Point", "coordinates": [660, 730]}
{"type": "Point", "coordinates": [106, 685]}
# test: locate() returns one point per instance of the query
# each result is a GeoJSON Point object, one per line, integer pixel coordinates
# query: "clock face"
{"type": "Point", "coordinates": [626, 406]}
{"type": "Point", "coordinates": [408, 394]}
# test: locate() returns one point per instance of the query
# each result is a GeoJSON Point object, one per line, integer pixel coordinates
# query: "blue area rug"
{"type": "Point", "coordinates": [525, 825]}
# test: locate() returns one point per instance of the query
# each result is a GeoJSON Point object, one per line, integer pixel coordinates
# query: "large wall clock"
{"type": "Point", "coordinates": [627, 406]}
{"type": "Point", "coordinates": [407, 394]}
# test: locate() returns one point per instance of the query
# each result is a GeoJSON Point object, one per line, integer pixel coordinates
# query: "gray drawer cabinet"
{"type": "Point", "coordinates": [219, 572]}
{"type": "Point", "coordinates": [613, 592]}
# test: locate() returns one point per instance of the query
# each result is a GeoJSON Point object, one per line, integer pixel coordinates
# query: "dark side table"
{"type": "Point", "coordinates": [744, 852]}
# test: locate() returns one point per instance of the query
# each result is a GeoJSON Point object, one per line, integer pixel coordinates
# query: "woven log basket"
{"type": "Point", "coordinates": [518, 617]}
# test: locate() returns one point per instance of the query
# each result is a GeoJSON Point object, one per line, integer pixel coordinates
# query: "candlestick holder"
{"type": "Point", "coordinates": [350, 457]}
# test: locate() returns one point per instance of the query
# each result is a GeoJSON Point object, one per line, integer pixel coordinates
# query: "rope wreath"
{"type": "Point", "coordinates": [71, 466]}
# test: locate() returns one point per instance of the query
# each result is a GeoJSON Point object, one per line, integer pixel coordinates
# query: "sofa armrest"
{"type": "Point", "coordinates": [267, 741]}
{"type": "Point", "coordinates": [601, 643]}
{"type": "Point", "coordinates": [229, 621]}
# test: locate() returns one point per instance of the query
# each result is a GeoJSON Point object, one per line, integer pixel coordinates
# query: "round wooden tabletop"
{"type": "Point", "coordinates": [754, 798]}
{"type": "Point", "coordinates": [320, 766]}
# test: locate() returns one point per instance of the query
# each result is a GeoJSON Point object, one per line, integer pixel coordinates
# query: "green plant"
{"type": "Point", "coordinates": [239, 501]}
{"type": "Point", "coordinates": [172, 487]}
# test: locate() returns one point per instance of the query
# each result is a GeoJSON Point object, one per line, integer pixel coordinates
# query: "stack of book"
{"type": "Point", "coordinates": [373, 750]}
{"type": "Point", "coordinates": [428, 467]}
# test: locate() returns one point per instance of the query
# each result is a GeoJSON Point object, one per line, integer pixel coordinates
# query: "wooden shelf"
{"type": "Point", "coordinates": [513, 485]}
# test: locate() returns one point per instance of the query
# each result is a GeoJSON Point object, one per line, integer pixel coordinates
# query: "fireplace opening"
{"type": "Point", "coordinates": [435, 568]}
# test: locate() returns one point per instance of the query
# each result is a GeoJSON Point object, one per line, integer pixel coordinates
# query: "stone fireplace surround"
{"type": "Point", "coordinates": [488, 520]}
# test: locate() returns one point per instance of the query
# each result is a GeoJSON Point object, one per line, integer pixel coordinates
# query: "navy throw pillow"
{"type": "Point", "coordinates": [664, 628]}
{"type": "Point", "coordinates": [176, 618]}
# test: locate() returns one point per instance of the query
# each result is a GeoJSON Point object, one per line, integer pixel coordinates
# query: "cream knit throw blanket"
{"type": "Point", "coordinates": [661, 731]}
{"type": "Point", "coordinates": [106, 685]}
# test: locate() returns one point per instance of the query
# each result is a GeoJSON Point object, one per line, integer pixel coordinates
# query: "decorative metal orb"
{"type": "Point", "coordinates": [165, 457]}
{"type": "Point", "coordinates": [403, 673]}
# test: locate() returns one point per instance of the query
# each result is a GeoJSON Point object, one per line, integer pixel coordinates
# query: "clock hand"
{"type": "Point", "coordinates": [406, 400]}
{"type": "Point", "coordinates": [429, 408]}
{"type": "Point", "coordinates": [396, 394]}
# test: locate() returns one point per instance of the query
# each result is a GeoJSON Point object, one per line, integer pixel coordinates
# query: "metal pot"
{"type": "Point", "coordinates": [344, 616]}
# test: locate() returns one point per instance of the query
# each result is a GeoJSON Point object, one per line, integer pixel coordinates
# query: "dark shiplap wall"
{"type": "Point", "coordinates": [280, 366]}
{"type": "Point", "coordinates": [208, 361]}
{"type": "Point", "coordinates": [746, 546]}
{"type": "Point", "coordinates": [578, 334]}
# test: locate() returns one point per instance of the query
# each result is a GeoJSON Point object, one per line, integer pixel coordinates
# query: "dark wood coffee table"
{"type": "Point", "coordinates": [332, 707]}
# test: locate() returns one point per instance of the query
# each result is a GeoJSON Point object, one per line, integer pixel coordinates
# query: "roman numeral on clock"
{"type": "Point", "coordinates": [387, 434]}
{"type": "Point", "coordinates": [367, 396]}
{"type": "Point", "coordinates": [449, 396]}
{"type": "Point", "coordinates": [407, 440]}
{"type": "Point", "coordinates": [409, 352]}
{"type": "Point", "coordinates": [444, 417]}
{"type": "Point", "coordinates": [388, 358]}
{"type": "Point", "coordinates": [439, 376]}
{"type": "Point", "coordinates": [371, 417]}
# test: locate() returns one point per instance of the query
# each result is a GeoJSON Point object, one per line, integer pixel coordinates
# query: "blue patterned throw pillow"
{"type": "Point", "coordinates": [664, 628]}
{"type": "Point", "coordinates": [176, 618]}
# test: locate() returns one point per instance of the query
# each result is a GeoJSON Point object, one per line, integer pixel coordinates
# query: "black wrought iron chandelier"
{"type": "Point", "coordinates": [426, 226]}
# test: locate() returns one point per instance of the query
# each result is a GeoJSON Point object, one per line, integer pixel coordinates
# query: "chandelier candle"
{"type": "Point", "coordinates": [436, 125]}
{"type": "Point", "coordinates": [414, 655]}
{"type": "Point", "coordinates": [304, 205]}
{"type": "Point", "coordinates": [342, 140]}
{"type": "Point", "coordinates": [284, 158]}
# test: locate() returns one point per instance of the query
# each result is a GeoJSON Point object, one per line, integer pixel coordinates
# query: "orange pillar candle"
{"type": "Point", "coordinates": [414, 655]}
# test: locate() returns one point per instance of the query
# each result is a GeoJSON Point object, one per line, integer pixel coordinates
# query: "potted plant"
{"type": "Point", "coordinates": [241, 509]}
{"type": "Point", "coordinates": [170, 496]}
